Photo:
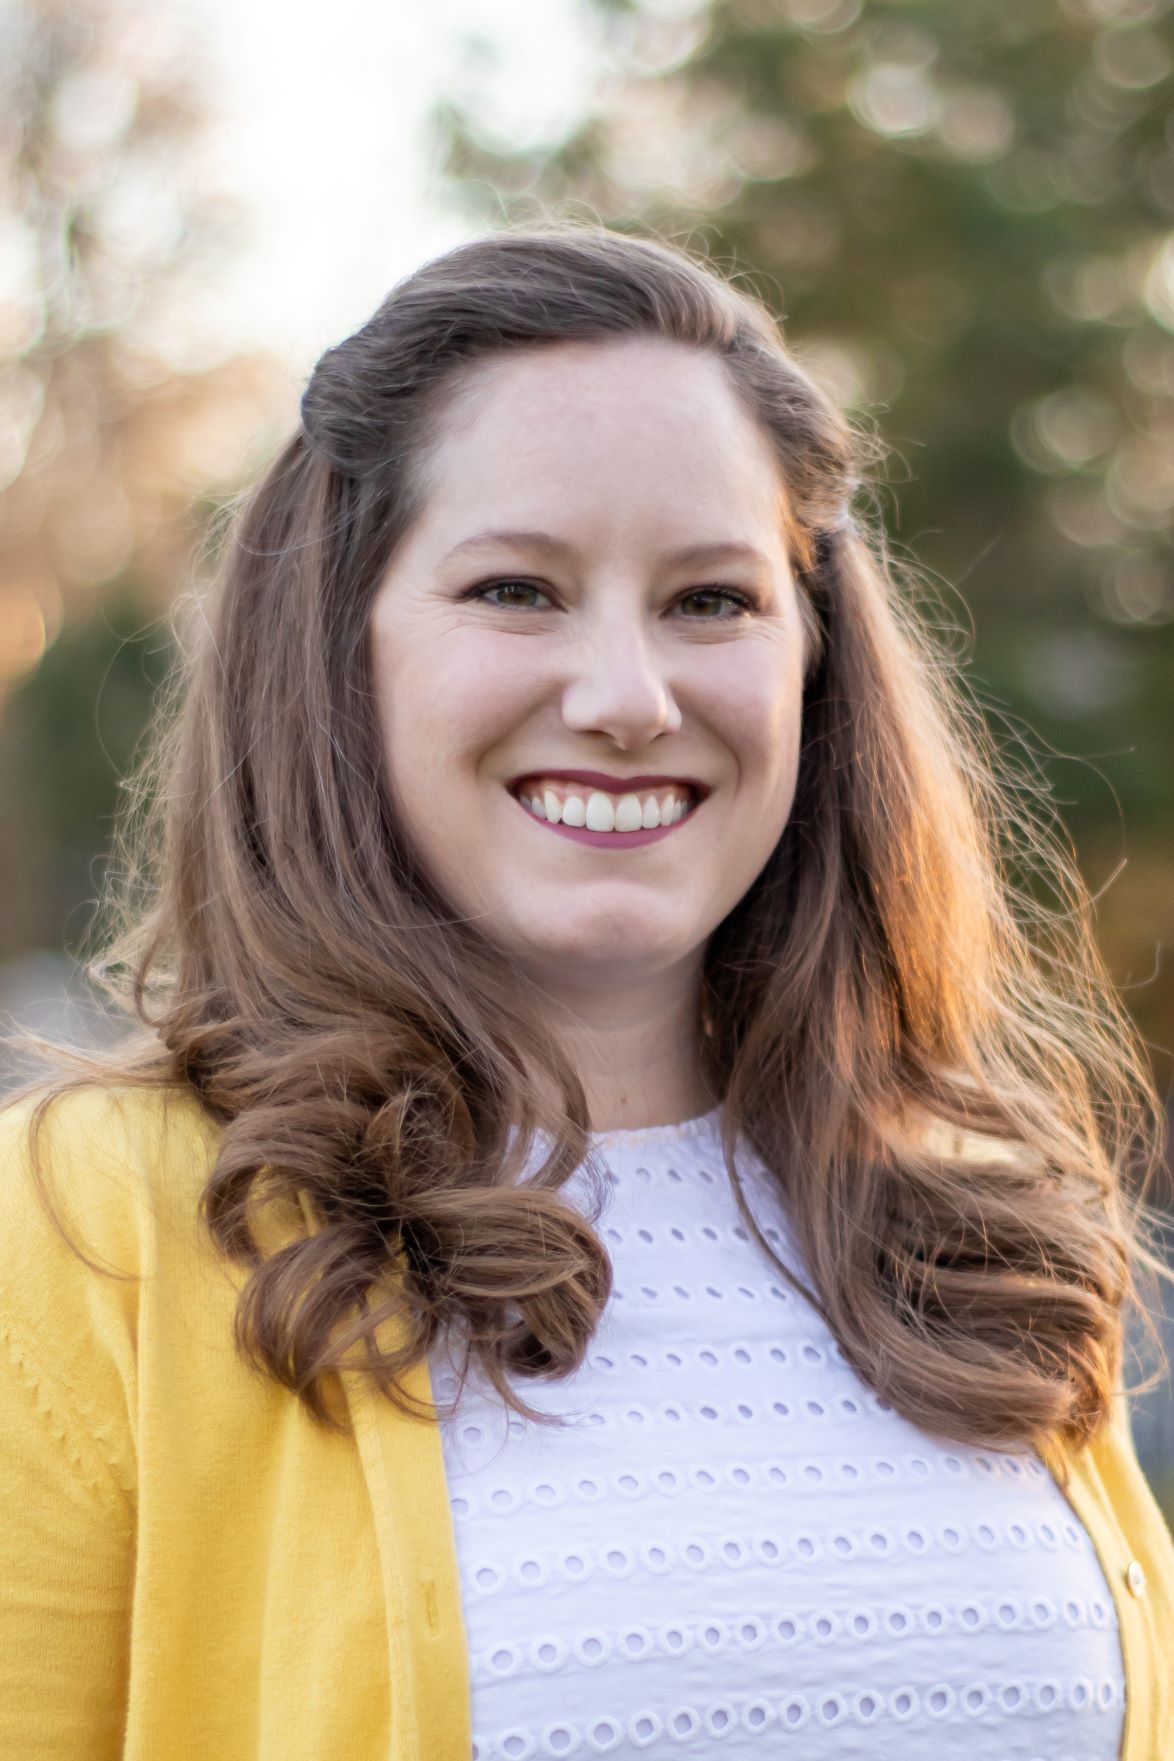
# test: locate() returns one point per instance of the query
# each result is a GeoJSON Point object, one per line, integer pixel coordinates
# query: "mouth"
{"type": "Point", "coordinates": [591, 808]}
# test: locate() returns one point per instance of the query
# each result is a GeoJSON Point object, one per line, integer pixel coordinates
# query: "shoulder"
{"type": "Point", "coordinates": [1112, 1456]}
{"type": "Point", "coordinates": [105, 1162]}
{"type": "Point", "coordinates": [103, 1138]}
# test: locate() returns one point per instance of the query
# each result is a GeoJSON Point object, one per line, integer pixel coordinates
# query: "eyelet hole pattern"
{"type": "Point", "coordinates": [791, 1712]}
{"type": "Point", "coordinates": [794, 1398]}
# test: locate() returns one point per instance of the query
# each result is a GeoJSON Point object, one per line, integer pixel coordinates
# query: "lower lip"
{"type": "Point", "coordinates": [608, 840]}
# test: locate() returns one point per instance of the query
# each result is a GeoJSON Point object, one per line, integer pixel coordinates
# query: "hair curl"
{"type": "Point", "coordinates": [933, 1062]}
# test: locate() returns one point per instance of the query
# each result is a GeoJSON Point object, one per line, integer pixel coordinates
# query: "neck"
{"type": "Point", "coordinates": [637, 1053]}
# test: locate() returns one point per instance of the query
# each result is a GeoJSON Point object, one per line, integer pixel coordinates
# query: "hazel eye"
{"type": "Point", "coordinates": [738, 601]}
{"type": "Point", "coordinates": [488, 587]}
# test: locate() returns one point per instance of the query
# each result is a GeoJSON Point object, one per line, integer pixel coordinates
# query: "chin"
{"type": "Point", "coordinates": [637, 945]}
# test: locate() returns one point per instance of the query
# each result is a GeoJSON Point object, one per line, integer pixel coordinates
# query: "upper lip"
{"type": "Point", "coordinates": [599, 779]}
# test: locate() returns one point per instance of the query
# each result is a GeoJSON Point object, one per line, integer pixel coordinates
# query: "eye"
{"type": "Point", "coordinates": [739, 602]}
{"type": "Point", "coordinates": [486, 587]}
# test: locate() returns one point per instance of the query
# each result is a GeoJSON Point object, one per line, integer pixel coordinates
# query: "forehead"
{"type": "Point", "coordinates": [634, 410]}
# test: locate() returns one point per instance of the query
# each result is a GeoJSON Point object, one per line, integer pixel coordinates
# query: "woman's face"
{"type": "Point", "coordinates": [578, 639]}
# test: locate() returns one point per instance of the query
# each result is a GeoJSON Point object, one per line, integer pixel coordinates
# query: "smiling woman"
{"type": "Point", "coordinates": [578, 975]}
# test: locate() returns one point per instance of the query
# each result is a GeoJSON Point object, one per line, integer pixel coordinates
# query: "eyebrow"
{"type": "Point", "coordinates": [697, 554]}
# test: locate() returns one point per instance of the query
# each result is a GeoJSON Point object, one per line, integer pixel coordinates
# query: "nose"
{"type": "Point", "coordinates": [618, 686]}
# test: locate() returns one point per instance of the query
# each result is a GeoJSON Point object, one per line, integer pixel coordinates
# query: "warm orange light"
{"type": "Point", "coordinates": [23, 632]}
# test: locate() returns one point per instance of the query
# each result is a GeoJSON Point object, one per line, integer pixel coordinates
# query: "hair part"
{"type": "Point", "coordinates": [931, 1060]}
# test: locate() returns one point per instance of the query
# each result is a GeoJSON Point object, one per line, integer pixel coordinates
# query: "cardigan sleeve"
{"type": "Point", "coordinates": [67, 1446]}
{"type": "Point", "coordinates": [66, 1572]}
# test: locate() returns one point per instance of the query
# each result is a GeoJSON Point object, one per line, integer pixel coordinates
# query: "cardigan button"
{"type": "Point", "coordinates": [1135, 1577]}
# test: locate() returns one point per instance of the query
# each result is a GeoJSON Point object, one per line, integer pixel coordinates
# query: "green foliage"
{"type": "Point", "coordinates": [72, 731]}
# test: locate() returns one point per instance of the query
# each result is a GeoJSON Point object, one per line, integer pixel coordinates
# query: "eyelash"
{"type": "Point", "coordinates": [741, 601]}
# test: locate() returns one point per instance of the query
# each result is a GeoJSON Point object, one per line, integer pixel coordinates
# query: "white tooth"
{"type": "Point", "coordinates": [651, 817]}
{"type": "Point", "coordinates": [553, 806]}
{"type": "Point", "coordinates": [536, 807]}
{"type": "Point", "coordinates": [678, 810]}
{"type": "Point", "coordinates": [629, 815]}
{"type": "Point", "coordinates": [601, 815]}
{"type": "Point", "coordinates": [574, 812]}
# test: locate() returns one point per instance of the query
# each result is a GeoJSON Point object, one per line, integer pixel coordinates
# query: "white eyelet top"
{"type": "Point", "coordinates": [735, 1547]}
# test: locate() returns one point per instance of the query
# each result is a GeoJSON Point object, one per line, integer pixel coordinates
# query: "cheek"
{"type": "Point", "coordinates": [756, 713]}
{"type": "Point", "coordinates": [444, 702]}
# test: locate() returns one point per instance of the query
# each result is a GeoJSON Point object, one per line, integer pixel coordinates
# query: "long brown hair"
{"type": "Point", "coordinates": [932, 1061]}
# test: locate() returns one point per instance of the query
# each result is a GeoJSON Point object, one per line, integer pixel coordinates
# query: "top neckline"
{"type": "Point", "coordinates": [704, 1125]}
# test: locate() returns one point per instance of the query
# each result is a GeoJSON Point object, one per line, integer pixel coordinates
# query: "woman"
{"type": "Point", "coordinates": [578, 978]}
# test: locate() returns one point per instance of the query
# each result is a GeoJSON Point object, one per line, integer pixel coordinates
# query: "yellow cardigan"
{"type": "Point", "coordinates": [191, 1571]}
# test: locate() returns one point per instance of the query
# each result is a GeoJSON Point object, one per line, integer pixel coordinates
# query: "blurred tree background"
{"type": "Point", "coordinates": [119, 429]}
{"type": "Point", "coordinates": [964, 216]}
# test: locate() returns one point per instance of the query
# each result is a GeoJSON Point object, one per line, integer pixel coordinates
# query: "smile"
{"type": "Point", "coordinates": [605, 821]}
